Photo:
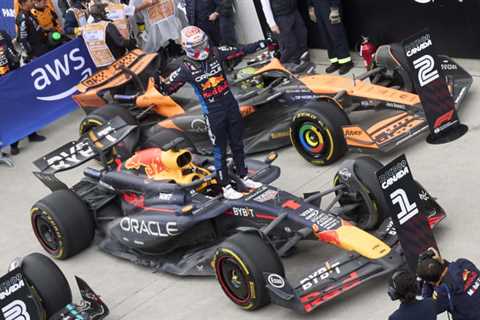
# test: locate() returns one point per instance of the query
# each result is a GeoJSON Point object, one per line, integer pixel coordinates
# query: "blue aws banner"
{"type": "Point", "coordinates": [41, 91]}
{"type": "Point", "coordinates": [7, 17]}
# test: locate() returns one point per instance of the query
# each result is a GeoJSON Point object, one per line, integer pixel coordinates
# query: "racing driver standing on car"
{"type": "Point", "coordinates": [203, 69]}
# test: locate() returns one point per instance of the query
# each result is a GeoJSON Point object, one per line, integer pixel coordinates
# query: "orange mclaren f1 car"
{"type": "Point", "coordinates": [409, 90]}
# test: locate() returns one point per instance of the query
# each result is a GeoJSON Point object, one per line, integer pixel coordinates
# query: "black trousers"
{"type": "Point", "coordinates": [292, 37]}
{"type": "Point", "coordinates": [334, 35]}
{"type": "Point", "coordinates": [227, 31]}
{"type": "Point", "coordinates": [226, 128]}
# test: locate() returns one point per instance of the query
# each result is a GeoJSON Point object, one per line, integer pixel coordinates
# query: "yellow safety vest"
{"type": "Point", "coordinates": [94, 35]}
{"type": "Point", "coordinates": [117, 15]}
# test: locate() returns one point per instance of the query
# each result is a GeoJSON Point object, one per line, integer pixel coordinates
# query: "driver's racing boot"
{"type": "Point", "coordinates": [230, 193]}
{"type": "Point", "coordinates": [249, 183]}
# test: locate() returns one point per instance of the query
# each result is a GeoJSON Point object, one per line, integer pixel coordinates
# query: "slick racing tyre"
{"type": "Point", "coordinates": [63, 224]}
{"type": "Point", "coordinates": [316, 132]}
{"type": "Point", "coordinates": [240, 262]}
{"type": "Point", "coordinates": [101, 116]}
{"type": "Point", "coordinates": [365, 170]}
{"type": "Point", "coordinates": [48, 282]}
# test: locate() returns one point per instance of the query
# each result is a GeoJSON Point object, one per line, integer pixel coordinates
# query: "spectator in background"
{"type": "Point", "coordinates": [9, 61]}
{"type": "Point", "coordinates": [162, 23]}
{"type": "Point", "coordinates": [46, 17]}
{"type": "Point", "coordinates": [104, 41]}
{"type": "Point", "coordinates": [31, 37]}
{"type": "Point", "coordinates": [286, 22]}
{"type": "Point", "coordinates": [328, 16]}
{"type": "Point", "coordinates": [75, 17]}
{"type": "Point", "coordinates": [226, 11]}
{"type": "Point", "coordinates": [205, 15]}
{"type": "Point", "coordinates": [403, 287]}
{"type": "Point", "coordinates": [63, 6]}
{"type": "Point", "coordinates": [453, 286]}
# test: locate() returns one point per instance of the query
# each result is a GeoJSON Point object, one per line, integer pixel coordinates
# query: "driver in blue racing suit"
{"type": "Point", "coordinates": [204, 71]}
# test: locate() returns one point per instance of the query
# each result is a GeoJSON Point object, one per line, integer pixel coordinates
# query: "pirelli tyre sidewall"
{"type": "Point", "coordinates": [101, 116]}
{"type": "Point", "coordinates": [63, 224]}
{"type": "Point", "coordinates": [239, 264]}
{"type": "Point", "coordinates": [48, 283]}
{"type": "Point", "coordinates": [316, 132]}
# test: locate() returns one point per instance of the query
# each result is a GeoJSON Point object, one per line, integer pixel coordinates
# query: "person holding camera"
{"type": "Point", "coordinates": [453, 286]}
{"type": "Point", "coordinates": [403, 287]}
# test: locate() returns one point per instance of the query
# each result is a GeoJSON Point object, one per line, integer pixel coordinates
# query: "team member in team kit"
{"type": "Point", "coordinates": [46, 17]}
{"type": "Point", "coordinates": [328, 15]}
{"type": "Point", "coordinates": [202, 69]}
{"type": "Point", "coordinates": [286, 22]}
{"type": "Point", "coordinates": [403, 287]}
{"type": "Point", "coordinates": [453, 286]}
{"type": "Point", "coordinates": [31, 37]}
{"type": "Point", "coordinates": [104, 41]}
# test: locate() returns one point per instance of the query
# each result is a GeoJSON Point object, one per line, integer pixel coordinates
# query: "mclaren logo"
{"type": "Point", "coordinates": [407, 210]}
{"type": "Point", "coordinates": [426, 70]}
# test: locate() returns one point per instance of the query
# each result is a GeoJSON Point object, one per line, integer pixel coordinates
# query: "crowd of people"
{"type": "Point", "coordinates": [110, 28]}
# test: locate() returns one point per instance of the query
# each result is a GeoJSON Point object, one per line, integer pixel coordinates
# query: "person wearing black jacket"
{"type": "Point", "coordinates": [286, 22]}
{"type": "Point", "coordinates": [10, 61]}
{"type": "Point", "coordinates": [328, 15]}
{"type": "Point", "coordinates": [205, 15]}
{"type": "Point", "coordinates": [117, 44]}
{"type": "Point", "coordinates": [31, 37]}
{"type": "Point", "coordinates": [453, 286]}
{"type": "Point", "coordinates": [403, 287]}
{"type": "Point", "coordinates": [226, 22]}
{"type": "Point", "coordinates": [75, 17]}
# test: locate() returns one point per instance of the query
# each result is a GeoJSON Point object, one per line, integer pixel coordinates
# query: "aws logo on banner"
{"type": "Point", "coordinates": [8, 13]}
{"type": "Point", "coordinates": [54, 74]}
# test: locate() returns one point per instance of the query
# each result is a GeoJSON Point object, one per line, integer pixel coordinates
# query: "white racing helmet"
{"type": "Point", "coordinates": [195, 43]}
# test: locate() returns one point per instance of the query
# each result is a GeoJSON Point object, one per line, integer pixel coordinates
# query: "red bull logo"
{"type": "Point", "coordinates": [149, 159]}
{"type": "Point", "coordinates": [212, 83]}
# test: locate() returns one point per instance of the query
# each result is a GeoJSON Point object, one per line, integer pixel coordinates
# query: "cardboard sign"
{"type": "Point", "coordinates": [160, 11]}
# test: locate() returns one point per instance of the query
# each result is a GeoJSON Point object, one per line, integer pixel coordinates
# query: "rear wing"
{"type": "Point", "coordinates": [428, 75]}
{"type": "Point", "coordinates": [93, 144]}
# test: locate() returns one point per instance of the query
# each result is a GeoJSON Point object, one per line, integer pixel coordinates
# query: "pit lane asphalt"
{"type": "Point", "coordinates": [450, 172]}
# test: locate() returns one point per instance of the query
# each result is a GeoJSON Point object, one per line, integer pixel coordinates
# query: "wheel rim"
{"type": "Point", "coordinates": [233, 280]}
{"type": "Point", "coordinates": [359, 215]}
{"type": "Point", "coordinates": [314, 140]}
{"type": "Point", "coordinates": [46, 233]}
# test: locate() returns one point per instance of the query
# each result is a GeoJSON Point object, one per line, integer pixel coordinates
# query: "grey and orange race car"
{"type": "Point", "coordinates": [162, 208]}
{"type": "Point", "coordinates": [317, 113]}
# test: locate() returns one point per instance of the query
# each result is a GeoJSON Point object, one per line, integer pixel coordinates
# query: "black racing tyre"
{"type": "Point", "coordinates": [63, 224]}
{"type": "Point", "coordinates": [48, 282]}
{"type": "Point", "coordinates": [240, 262]}
{"type": "Point", "coordinates": [365, 170]}
{"type": "Point", "coordinates": [106, 113]}
{"type": "Point", "coordinates": [316, 132]}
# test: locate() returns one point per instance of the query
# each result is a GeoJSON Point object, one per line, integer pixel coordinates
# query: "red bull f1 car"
{"type": "Point", "coordinates": [162, 208]}
{"type": "Point", "coordinates": [36, 289]}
